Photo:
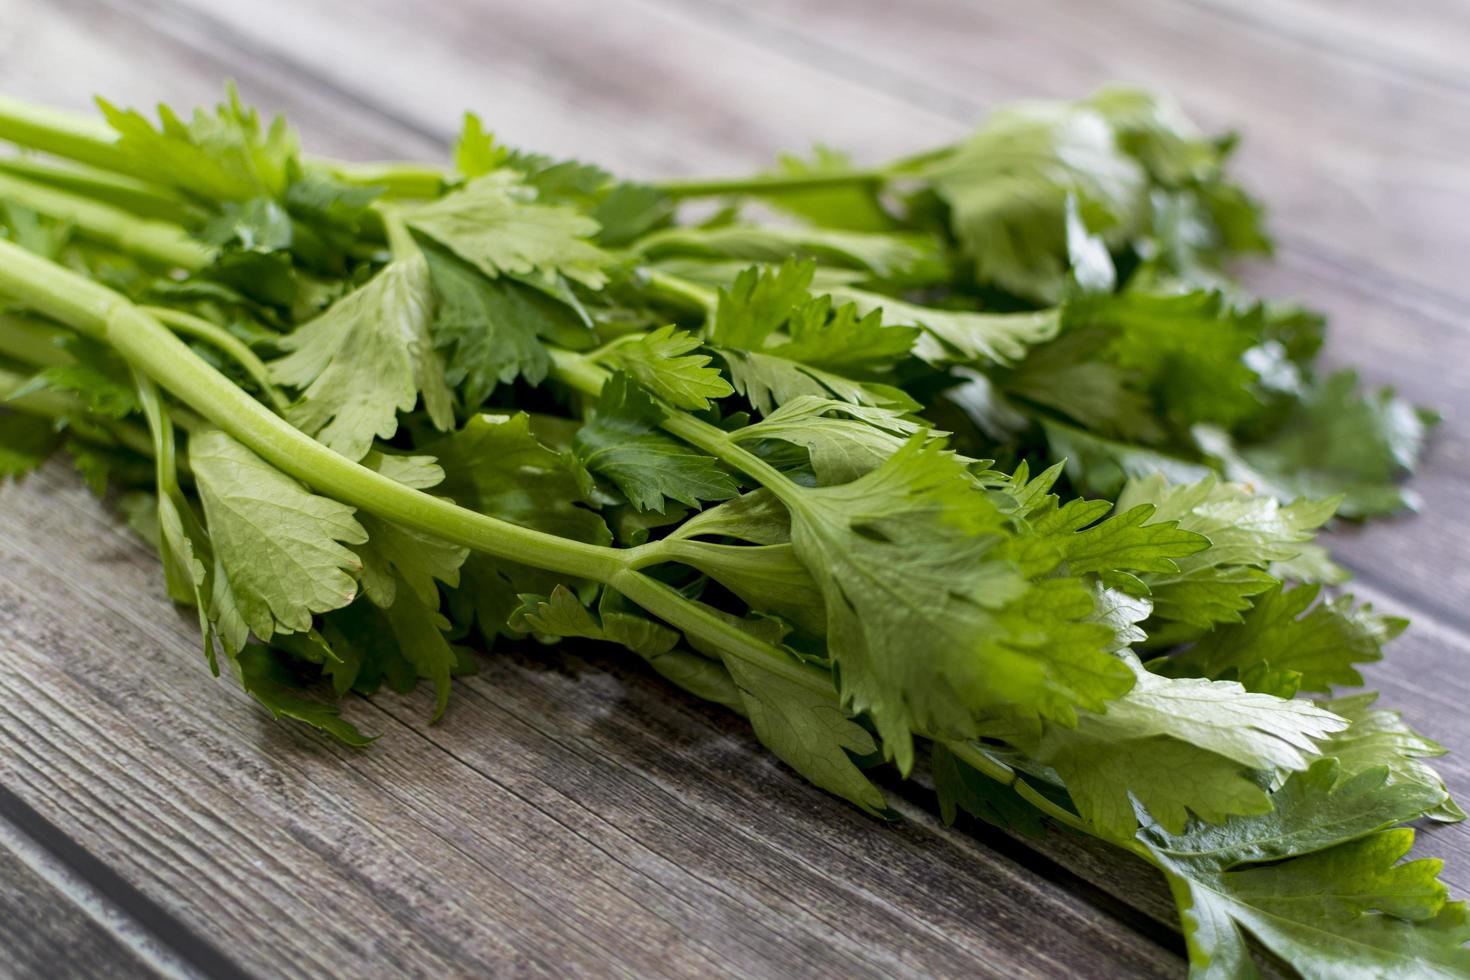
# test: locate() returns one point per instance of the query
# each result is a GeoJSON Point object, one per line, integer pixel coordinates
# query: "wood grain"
{"type": "Point", "coordinates": [570, 814]}
{"type": "Point", "coordinates": [44, 929]}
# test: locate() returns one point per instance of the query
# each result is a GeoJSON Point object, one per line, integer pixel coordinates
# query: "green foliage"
{"type": "Point", "coordinates": [663, 364]}
{"type": "Point", "coordinates": [622, 441]}
{"type": "Point", "coordinates": [366, 359]}
{"type": "Point", "coordinates": [519, 356]}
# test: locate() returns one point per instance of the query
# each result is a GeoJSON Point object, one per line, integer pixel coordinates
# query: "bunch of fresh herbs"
{"type": "Point", "coordinates": [977, 463]}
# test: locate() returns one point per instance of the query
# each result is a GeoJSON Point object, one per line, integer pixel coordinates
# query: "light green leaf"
{"type": "Point", "coordinates": [622, 442]}
{"type": "Point", "coordinates": [1181, 746]}
{"type": "Point", "coordinates": [366, 359]}
{"type": "Point", "coordinates": [959, 336]}
{"type": "Point", "coordinates": [495, 223]}
{"type": "Point", "coordinates": [844, 440]}
{"type": "Point", "coordinates": [808, 730]}
{"type": "Point", "coordinates": [279, 547]}
{"type": "Point", "coordinates": [223, 156]}
{"type": "Point", "coordinates": [929, 626]}
{"type": "Point", "coordinates": [1007, 188]}
{"type": "Point", "coordinates": [662, 362]}
{"type": "Point", "coordinates": [1332, 902]}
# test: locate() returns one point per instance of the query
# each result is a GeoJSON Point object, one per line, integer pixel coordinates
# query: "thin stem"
{"type": "Point", "coordinates": [401, 180]}
{"type": "Point", "coordinates": [159, 241]}
{"type": "Point", "coordinates": [139, 197]}
{"type": "Point", "coordinates": [162, 433]}
{"type": "Point", "coordinates": [577, 371]}
{"type": "Point", "coordinates": [701, 623]}
{"type": "Point", "coordinates": [64, 134]}
{"type": "Point", "coordinates": [767, 184]}
{"type": "Point", "coordinates": [98, 312]}
{"type": "Point", "coordinates": [680, 291]}
{"type": "Point", "coordinates": [226, 342]}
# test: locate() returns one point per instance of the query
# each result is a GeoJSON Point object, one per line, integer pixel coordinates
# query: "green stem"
{"type": "Point", "coordinates": [98, 312]}
{"type": "Point", "coordinates": [64, 134]}
{"type": "Point", "coordinates": [767, 184]}
{"type": "Point", "coordinates": [577, 371]}
{"type": "Point", "coordinates": [680, 292]}
{"type": "Point", "coordinates": [31, 341]}
{"type": "Point", "coordinates": [226, 342]}
{"type": "Point", "coordinates": [159, 241]}
{"type": "Point", "coordinates": [398, 180]}
{"type": "Point", "coordinates": [703, 624]}
{"type": "Point", "coordinates": [136, 196]}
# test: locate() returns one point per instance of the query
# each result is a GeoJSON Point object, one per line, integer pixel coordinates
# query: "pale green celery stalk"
{"type": "Point", "coordinates": [64, 134]}
{"type": "Point", "coordinates": [680, 291]}
{"type": "Point", "coordinates": [771, 184]}
{"type": "Point", "coordinates": [226, 342]}
{"type": "Point", "coordinates": [159, 241]}
{"type": "Point", "coordinates": [398, 180]}
{"type": "Point", "coordinates": [31, 341]}
{"type": "Point", "coordinates": [130, 194]}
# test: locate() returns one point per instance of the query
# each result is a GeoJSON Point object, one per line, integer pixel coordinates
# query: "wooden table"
{"type": "Point", "coordinates": [573, 816]}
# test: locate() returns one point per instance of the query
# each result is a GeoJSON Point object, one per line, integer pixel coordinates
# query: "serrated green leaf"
{"type": "Point", "coordinates": [959, 336]}
{"type": "Point", "coordinates": [929, 627]}
{"type": "Point", "coordinates": [495, 223]}
{"type": "Point", "coordinates": [1287, 629]}
{"type": "Point", "coordinates": [1333, 903]}
{"type": "Point", "coordinates": [492, 331]}
{"type": "Point", "coordinates": [222, 156]}
{"type": "Point", "coordinates": [662, 362]}
{"type": "Point", "coordinates": [279, 547]}
{"type": "Point", "coordinates": [808, 730]}
{"type": "Point", "coordinates": [271, 685]}
{"type": "Point", "coordinates": [1181, 747]}
{"type": "Point", "coordinates": [366, 359]}
{"type": "Point", "coordinates": [622, 442]}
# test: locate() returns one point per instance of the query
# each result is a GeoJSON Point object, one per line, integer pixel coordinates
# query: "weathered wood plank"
{"type": "Point", "coordinates": [45, 929]}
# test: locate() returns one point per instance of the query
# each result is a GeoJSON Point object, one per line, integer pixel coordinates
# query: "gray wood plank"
{"type": "Point", "coordinates": [44, 932]}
